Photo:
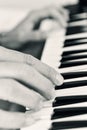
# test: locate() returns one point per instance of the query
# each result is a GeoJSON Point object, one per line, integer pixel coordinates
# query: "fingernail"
{"type": "Point", "coordinates": [59, 79]}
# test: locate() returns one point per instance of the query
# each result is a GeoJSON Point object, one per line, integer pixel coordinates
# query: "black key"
{"type": "Point", "coordinates": [73, 57]}
{"type": "Point", "coordinates": [67, 44]}
{"type": "Point", "coordinates": [72, 19]}
{"type": "Point", "coordinates": [76, 29]}
{"type": "Point", "coordinates": [72, 84]}
{"type": "Point", "coordinates": [73, 52]}
{"type": "Point", "coordinates": [67, 112]}
{"type": "Point", "coordinates": [74, 74]}
{"type": "Point", "coordinates": [73, 63]}
{"type": "Point", "coordinates": [76, 18]}
{"type": "Point", "coordinates": [68, 125]}
{"type": "Point", "coordinates": [73, 40]}
{"type": "Point", "coordinates": [66, 100]}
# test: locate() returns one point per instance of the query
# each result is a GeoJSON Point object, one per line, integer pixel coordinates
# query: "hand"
{"type": "Point", "coordinates": [26, 32]}
{"type": "Point", "coordinates": [26, 81]}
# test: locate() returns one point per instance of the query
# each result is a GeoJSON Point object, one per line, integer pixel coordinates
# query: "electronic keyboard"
{"type": "Point", "coordinates": [66, 51]}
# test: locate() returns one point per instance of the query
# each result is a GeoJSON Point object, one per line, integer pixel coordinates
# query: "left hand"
{"type": "Point", "coordinates": [25, 31]}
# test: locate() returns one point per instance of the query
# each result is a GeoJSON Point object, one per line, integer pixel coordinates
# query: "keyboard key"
{"type": "Point", "coordinates": [74, 74]}
{"type": "Point", "coordinates": [74, 42]}
{"type": "Point", "coordinates": [73, 52]}
{"type": "Point", "coordinates": [66, 100]}
{"type": "Point", "coordinates": [72, 84]}
{"type": "Point", "coordinates": [67, 58]}
{"type": "Point", "coordinates": [67, 112]}
{"type": "Point", "coordinates": [68, 125]}
{"type": "Point", "coordinates": [76, 29]}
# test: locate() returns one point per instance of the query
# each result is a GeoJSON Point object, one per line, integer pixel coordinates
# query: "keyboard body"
{"type": "Point", "coordinates": [71, 61]}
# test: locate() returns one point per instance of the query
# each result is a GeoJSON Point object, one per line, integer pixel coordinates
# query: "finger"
{"type": "Point", "coordinates": [56, 14]}
{"type": "Point", "coordinates": [59, 17]}
{"type": "Point", "coordinates": [39, 15]}
{"type": "Point", "coordinates": [34, 36]}
{"type": "Point", "coordinates": [12, 91]}
{"type": "Point", "coordinates": [29, 76]}
{"type": "Point", "coordinates": [15, 120]}
{"type": "Point", "coordinates": [64, 12]}
{"type": "Point", "coordinates": [13, 41]}
{"type": "Point", "coordinates": [47, 71]}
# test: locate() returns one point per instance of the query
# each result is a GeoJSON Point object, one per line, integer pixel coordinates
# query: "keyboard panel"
{"type": "Point", "coordinates": [68, 55]}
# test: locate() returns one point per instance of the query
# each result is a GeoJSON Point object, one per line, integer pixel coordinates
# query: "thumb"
{"type": "Point", "coordinates": [38, 36]}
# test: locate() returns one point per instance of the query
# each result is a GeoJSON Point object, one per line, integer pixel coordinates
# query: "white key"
{"type": "Point", "coordinates": [81, 90]}
{"type": "Point", "coordinates": [79, 54]}
{"type": "Point", "coordinates": [82, 59]}
{"type": "Point", "coordinates": [78, 35]}
{"type": "Point", "coordinates": [77, 23]}
{"type": "Point", "coordinates": [75, 79]}
{"type": "Point", "coordinates": [73, 48]}
{"type": "Point", "coordinates": [80, 15]}
{"type": "Point", "coordinates": [73, 69]}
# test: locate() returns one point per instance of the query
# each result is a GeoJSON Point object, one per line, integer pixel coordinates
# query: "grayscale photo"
{"type": "Point", "coordinates": [43, 64]}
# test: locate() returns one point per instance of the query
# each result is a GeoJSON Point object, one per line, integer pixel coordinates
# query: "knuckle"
{"type": "Point", "coordinates": [28, 59]}
{"type": "Point", "coordinates": [9, 86]}
{"type": "Point", "coordinates": [51, 8]}
{"type": "Point", "coordinates": [33, 12]}
{"type": "Point", "coordinates": [21, 70]}
{"type": "Point", "coordinates": [32, 15]}
{"type": "Point", "coordinates": [12, 86]}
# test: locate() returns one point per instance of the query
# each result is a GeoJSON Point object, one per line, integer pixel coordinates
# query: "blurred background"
{"type": "Point", "coordinates": [12, 11]}
{"type": "Point", "coordinates": [26, 4]}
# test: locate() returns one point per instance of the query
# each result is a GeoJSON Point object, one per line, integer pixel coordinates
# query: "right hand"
{"type": "Point", "coordinates": [26, 81]}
